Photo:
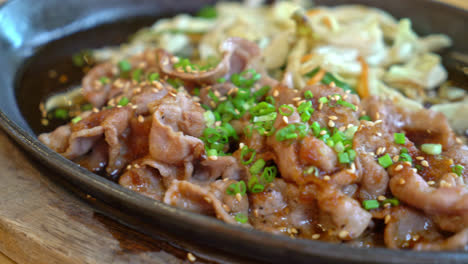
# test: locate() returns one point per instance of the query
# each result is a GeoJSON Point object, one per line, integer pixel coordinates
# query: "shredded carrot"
{"type": "Point", "coordinates": [306, 57]}
{"type": "Point", "coordinates": [327, 21]}
{"type": "Point", "coordinates": [313, 12]}
{"type": "Point", "coordinates": [363, 86]}
{"type": "Point", "coordinates": [317, 77]}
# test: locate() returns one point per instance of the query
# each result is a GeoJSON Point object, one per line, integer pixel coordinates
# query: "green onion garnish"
{"type": "Point", "coordinates": [399, 138]}
{"type": "Point", "coordinates": [458, 169]}
{"type": "Point", "coordinates": [308, 95]}
{"type": "Point", "coordinates": [244, 154]}
{"type": "Point", "coordinates": [104, 80]}
{"type": "Point", "coordinates": [352, 154]}
{"type": "Point", "coordinates": [257, 166]}
{"type": "Point", "coordinates": [404, 150]}
{"type": "Point", "coordinates": [212, 152]}
{"type": "Point", "coordinates": [343, 157]}
{"type": "Point", "coordinates": [392, 201]}
{"type": "Point", "coordinates": [153, 77]}
{"type": "Point", "coordinates": [262, 108]}
{"type": "Point", "coordinates": [365, 117]}
{"type": "Point", "coordinates": [208, 12]}
{"type": "Point", "coordinates": [262, 91]}
{"type": "Point", "coordinates": [124, 65]}
{"type": "Point", "coordinates": [346, 104]}
{"type": "Point", "coordinates": [61, 113]}
{"type": "Point", "coordinates": [406, 157]}
{"type": "Point", "coordinates": [136, 75]}
{"type": "Point", "coordinates": [235, 188]}
{"type": "Point", "coordinates": [221, 80]}
{"type": "Point", "coordinates": [269, 174]}
{"type": "Point", "coordinates": [370, 204]}
{"type": "Point", "coordinates": [256, 188]}
{"type": "Point", "coordinates": [323, 100]}
{"type": "Point", "coordinates": [77, 119]}
{"type": "Point", "coordinates": [431, 149]}
{"type": "Point", "coordinates": [286, 110]}
{"type": "Point", "coordinates": [123, 101]}
{"type": "Point", "coordinates": [385, 161]}
{"type": "Point", "coordinates": [316, 128]}
{"type": "Point", "coordinates": [86, 107]}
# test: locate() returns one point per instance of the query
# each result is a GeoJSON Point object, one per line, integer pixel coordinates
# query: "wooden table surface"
{"type": "Point", "coordinates": [41, 221]}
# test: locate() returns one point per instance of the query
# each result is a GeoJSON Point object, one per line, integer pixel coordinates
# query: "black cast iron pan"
{"type": "Point", "coordinates": [36, 36]}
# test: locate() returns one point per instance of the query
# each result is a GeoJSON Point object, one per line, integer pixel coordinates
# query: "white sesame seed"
{"type": "Point", "coordinates": [402, 181]}
{"type": "Point", "coordinates": [396, 158]}
{"type": "Point", "coordinates": [207, 199]}
{"type": "Point", "coordinates": [425, 163]}
{"type": "Point", "coordinates": [323, 132]}
{"type": "Point", "coordinates": [387, 219]}
{"type": "Point", "coordinates": [141, 119]}
{"type": "Point", "coordinates": [420, 158]}
{"type": "Point", "coordinates": [379, 134]}
{"type": "Point", "coordinates": [191, 257]}
{"type": "Point", "coordinates": [241, 145]}
{"type": "Point", "coordinates": [285, 119]}
{"type": "Point", "coordinates": [399, 167]}
{"type": "Point", "coordinates": [238, 197]}
{"type": "Point", "coordinates": [343, 234]}
{"type": "Point", "coordinates": [331, 123]}
{"type": "Point", "coordinates": [333, 117]}
{"type": "Point", "coordinates": [381, 198]}
{"type": "Point", "coordinates": [315, 236]}
{"type": "Point", "coordinates": [213, 157]}
{"type": "Point", "coordinates": [377, 115]}
{"type": "Point", "coordinates": [431, 182]}
{"type": "Point", "coordinates": [378, 122]}
{"type": "Point", "coordinates": [275, 93]}
{"type": "Point", "coordinates": [332, 84]}
{"type": "Point", "coordinates": [296, 99]}
{"type": "Point", "coordinates": [326, 178]}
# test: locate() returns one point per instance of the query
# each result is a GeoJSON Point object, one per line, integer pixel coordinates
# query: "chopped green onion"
{"type": "Point", "coordinates": [370, 204]}
{"type": "Point", "coordinates": [257, 166]}
{"type": "Point", "coordinates": [235, 188]}
{"type": "Point", "coordinates": [123, 101]}
{"type": "Point", "coordinates": [458, 169]}
{"type": "Point", "coordinates": [262, 91]}
{"type": "Point", "coordinates": [406, 157]}
{"type": "Point", "coordinates": [196, 91]}
{"type": "Point", "coordinates": [385, 161]}
{"type": "Point", "coordinates": [349, 133]}
{"type": "Point", "coordinates": [104, 80]}
{"type": "Point", "coordinates": [419, 167]}
{"type": "Point", "coordinates": [343, 157]}
{"type": "Point", "coordinates": [257, 188]}
{"type": "Point", "coordinates": [262, 108]}
{"type": "Point", "coordinates": [323, 100]}
{"type": "Point", "coordinates": [245, 152]}
{"type": "Point", "coordinates": [316, 128]}
{"type": "Point", "coordinates": [308, 94]}
{"type": "Point", "coordinates": [86, 107]}
{"type": "Point", "coordinates": [221, 80]}
{"type": "Point", "coordinates": [352, 154]}
{"type": "Point", "coordinates": [431, 149]}
{"type": "Point", "coordinates": [241, 218]}
{"type": "Point", "coordinates": [339, 147]}
{"type": "Point", "coordinates": [346, 104]}
{"type": "Point", "coordinates": [392, 201]}
{"type": "Point", "coordinates": [212, 152]}
{"type": "Point", "coordinates": [153, 77]}
{"type": "Point", "coordinates": [78, 60]}
{"type": "Point", "coordinates": [270, 99]}
{"type": "Point", "coordinates": [124, 65]}
{"type": "Point", "coordinates": [289, 110]}
{"type": "Point", "coordinates": [404, 150]}
{"type": "Point", "coordinates": [365, 117]}
{"type": "Point", "coordinates": [136, 75]}
{"type": "Point", "coordinates": [269, 174]}
{"type": "Point", "coordinates": [399, 138]}
{"type": "Point", "coordinates": [263, 118]}
{"type": "Point", "coordinates": [209, 118]}
{"type": "Point", "coordinates": [305, 117]}
{"type": "Point", "coordinates": [208, 12]}
{"type": "Point", "coordinates": [312, 72]}
{"type": "Point", "coordinates": [328, 78]}
{"type": "Point", "coordinates": [77, 119]}
{"type": "Point", "coordinates": [61, 113]}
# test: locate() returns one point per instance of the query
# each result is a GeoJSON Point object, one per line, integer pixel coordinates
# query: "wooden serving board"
{"type": "Point", "coordinates": [41, 221]}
